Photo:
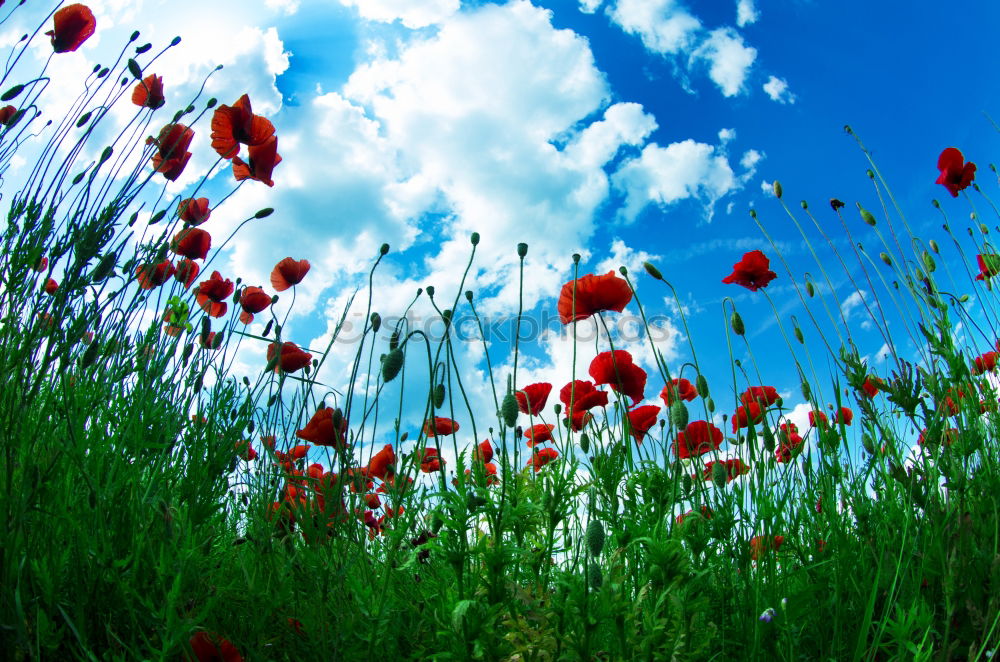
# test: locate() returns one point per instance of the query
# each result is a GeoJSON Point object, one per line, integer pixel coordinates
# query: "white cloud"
{"type": "Point", "coordinates": [750, 159]}
{"type": "Point", "coordinates": [777, 89]}
{"type": "Point", "coordinates": [855, 300]}
{"type": "Point", "coordinates": [590, 6]}
{"type": "Point", "coordinates": [766, 187]}
{"type": "Point", "coordinates": [663, 25]}
{"type": "Point", "coordinates": [411, 14]}
{"type": "Point", "coordinates": [725, 135]}
{"type": "Point", "coordinates": [746, 13]}
{"type": "Point", "coordinates": [729, 59]}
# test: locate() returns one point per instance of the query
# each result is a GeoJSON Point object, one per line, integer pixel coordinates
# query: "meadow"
{"type": "Point", "coordinates": [159, 506]}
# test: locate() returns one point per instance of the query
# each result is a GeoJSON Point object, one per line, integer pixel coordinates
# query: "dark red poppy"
{"type": "Point", "coordinates": [542, 457]}
{"type": "Point", "coordinates": [764, 395]}
{"type": "Point", "coordinates": [641, 419]}
{"type": "Point", "coordinates": [698, 438]}
{"type": "Point", "coordinates": [747, 416]}
{"type": "Point", "coordinates": [73, 25]}
{"type": "Point", "coordinates": [761, 544]}
{"type": "Point", "coordinates": [151, 276]}
{"type": "Point", "coordinates": [292, 358]}
{"type": "Point", "coordinates": [440, 426]}
{"type": "Point", "coordinates": [192, 243]}
{"type": "Point", "coordinates": [989, 266]}
{"type": "Point", "coordinates": [955, 173]}
{"type": "Point", "coordinates": [431, 461]}
{"type": "Point", "coordinates": [171, 150]}
{"type": "Point", "coordinates": [539, 433]}
{"type": "Point", "coordinates": [531, 399]}
{"type": "Point", "coordinates": [213, 648]}
{"type": "Point", "coordinates": [253, 300]}
{"type": "Point", "coordinates": [382, 462]}
{"type": "Point", "coordinates": [593, 294]}
{"type": "Point", "coordinates": [148, 92]}
{"type": "Point", "coordinates": [187, 271]}
{"type": "Point", "coordinates": [212, 294]}
{"type": "Point", "coordinates": [483, 452]}
{"type": "Point", "coordinates": [173, 324]}
{"type": "Point", "coordinates": [320, 429]}
{"type": "Point", "coordinates": [790, 446]}
{"type": "Point", "coordinates": [232, 125]}
{"type": "Point", "coordinates": [288, 272]}
{"type": "Point", "coordinates": [984, 363]}
{"type": "Point", "coordinates": [194, 211]}
{"type": "Point", "coordinates": [260, 164]}
{"type": "Point", "coordinates": [584, 395]}
{"type": "Point", "coordinates": [734, 469]}
{"type": "Point", "coordinates": [752, 272]}
{"type": "Point", "coordinates": [845, 416]}
{"type": "Point", "coordinates": [580, 420]}
{"type": "Point", "coordinates": [678, 389]}
{"type": "Point", "coordinates": [617, 370]}
{"type": "Point", "coordinates": [51, 286]}
{"type": "Point", "coordinates": [7, 114]}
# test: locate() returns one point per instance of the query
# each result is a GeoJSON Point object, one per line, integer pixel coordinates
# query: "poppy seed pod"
{"type": "Point", "coordinates": [585, 443]}
{"type": "Point", "coordinates": [474, 238]}
{"type": "Point", "coordinates": [596, 578]}
{"type": "Point", "coordinates": [392, 364]}
{"type": "Point", "coordinates": [679, 414]}
{"type": "Point", "coordinates": [439, 396]}
{"type": "Point", "coordinates": [777, 189]}
{"type": "Point", "coordinates": [522, 249]}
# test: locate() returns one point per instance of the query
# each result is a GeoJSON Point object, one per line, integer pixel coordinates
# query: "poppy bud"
{"type": "Point", "coordinates": [430, 291]}
{"type": "Point", "coordinates": [767, 438]}
{"type": "Point", "coordinates": [652, 271]}
{"type": "Point", "coordinates": [963, 298]}
{"type": "Point", "coordinates": [596, 578]}
{"type": "Point", "coordinates": [104, 268]}
{"type": "Point", "coordinates": [508, 410]}
{"type": "Point", "coordinates": [805, 205]}
{"type": "Point", "coordinates": [585, 443]}
{"type": "Point", "coordinates": [439, 395]}
{"type": "Point", "coordinates": [777, 189]}
{"type": "Point", "coordinates": [12, 92]}
{"type": "Point", "coordinates": [383, 249]}
{"type": "Point", "coordinates": [798, 335]}
{"type": "Point", "coordinates": [868, 444]}
{"type": "Point", "coordinates": [679, 414]}
{"type": "Point", "coordinates": [468, 295]}
{"type": "Point", "coordinates": [867, 217]}
{"type": "Point", "coordinates": [522, 249]}
{"type": "Point", "coordinates": [187, 353]}
{"type": "Point", "coordinates": [885, 258]}
{"type": "Point", "coordinates": [701, 384]}
{"type": "Point", "coordinates": [710, 405]}
{"type": "Point", "coordinates": [686, 483]}
{"type": "Point", "coordinates": [474, 238]}
{"type": "Point", "coordinates": [90, 355]}
{"type": "Point", "coordinates": [934, 247]}
{"type": "Point", "coordinates": [394, 340]}
{"type": "Point", "coordinates": [737, 323]}
{"type": "Point", "coordinates": [810, 289]}
{"type": "Point", "coordinates": [595, 537]}
{"type": "Point", "coordinates": [376, 320]}
{"type": "Point", "coordinates": [719, 474]}
{"type": "Point", "coordinates": [392, 364]}
{"type": "Point", "coordinates": [806, 391]}
{"type": "Point", "coordinates": [264, 213]}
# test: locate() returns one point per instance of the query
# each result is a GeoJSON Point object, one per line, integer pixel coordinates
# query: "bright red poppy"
{"type": "Point", "coordinates": [51, 286]}
{"type": "Point", "coordinates": [845, 416]}
{"type": "Point", "coordinates": [73, 25]}
{"type": "Point", "coordinates": [232, 125]}
{"type": "Point", "coordinates": [187, 271]}
{"type": "Point", "coordinates": [431, 461]}
{"type": "Point", "coordinates": [539, 434]}
{"type": "Point", "coordinates": [172, 153]}
{"type": "Point", "coordinates": [678, 389]}
{"type": "Point", "coordinates": [542, 457]}
{"type": "Point", "coordinates": [641, 419]}
{"type": "Point", "coordinates": [747, 416]}
{"type": "Point", "coordinates": [489, 473]}
{"type": "Point", "coordinates": [192, 243]}
{"type": "Point", "coordinates": [440, 426]}
{"type": "Point", "coordinates": [245, 451]}
{"type": "Point", "coordinates": [734, 468]}
{"type": "Point", "coordinates": [955, 173]}
{"type": "Point", "coordinates": [292, 357]}
{"type": "Point", "coordinates": [760, 544]}
{"type": "Point", "coordinates": [790, 446]}
{"type": "Point", "coordinates": [483, 452]}
{"type": "Point", "coordinates": [984, 363]}
{"type": "Point", "coordinates": [752, 272]}
{"type": "Point", "coordinates": [593, 295]}
{"type": "Point", "coordinates": [698, 438]}
{"type": "Point", "coordinates": [151, 276]}
{"type": "Point", "coordinates": [871, 386]}
{"type": "Point", "coordinates": [706, 512]}
{"type": "Point", "coordinates": [260, 164]}
{"type": "Point", "coordinates": [584, 395]}
{"type": "Point", "coordinates": [253, 300]}
{"type": "Point", "coordinates": [989, 266]}
{"type": "Point", "coordinates": [148, 93]}
{"type": "Point", "coordinates": [531, 399]}
{"type": "Point", "coordinates": [819, 416]}
{"type": "Point", "coordinates": [212, 294]}
{"type": "Point", "coordinates": [213, 648]}
{"type": "Point", "coordinates": [617, 370]}
{"type": "Point", "coordinates": [765, 395]}
{"type": "Point", "coordinates": [194, 211]}
{"type": "Point", "coordinates": [320, 429]}
{"type": "Point", "coordinates": [579, 420]}
{"type": "Point", "coordinates": [382, 462]}
{"type": "Point", "coordinates": [288, 272]}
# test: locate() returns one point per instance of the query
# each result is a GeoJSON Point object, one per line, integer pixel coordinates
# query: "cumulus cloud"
{"type": "Point", "coordinates": [777, 89]}
{"type": "Point", "coordinates": [729, 59]}
{"type": "Point", "coordinates": [746, 13]}
{"type": "Point", "coordinates": [590, 6]}
{"type": "Point", "coordinates": [411, 14]}
{"type": "Point", "coordinates": [663, 25]}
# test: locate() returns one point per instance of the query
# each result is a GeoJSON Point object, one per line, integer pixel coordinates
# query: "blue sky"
{"type": "Point", "coordinates": [623, 130]}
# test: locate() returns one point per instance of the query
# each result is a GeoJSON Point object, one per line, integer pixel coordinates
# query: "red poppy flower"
{"type": "Point", "coordinates": [584, 394]}
{"type": "Point", "coordinates": [985, 363]}
{"type": "Point", "coordinates": [817, 416]}
{"type": "Point", "coordinates": [74, 24]}
{"type": "Point", "coordinates": [212, 294]}
{"type": "Point", "coordinates": [641, 419]}
{"type": "Point", "coordinates": [171, 154]}
{"type": "Point", "coordinates": [42, 264]}
{"type": "Point", "coordinates": [151, 276]}
{"type": "Point", "coordinates": [752, 272]}
{"type": "Point", "coordinates": [989, 266]}
{"type": "Point", "coordinates": [232, 125]}
{"type": "Point", "coordinates": [789, 448]}
{"type": "Point", "coordinates": [7, 114]}
{"type": "Point", "coordinates": [765, 395]}
{"type": "Point", "coordinates": [760, 544]}
{"type": "Point", "coordinates": [489, 472]}
{"type": "Point", "coordinates": [194, 211]}
{"type": "Point", "coordinates": [678, 389]}
{"type": "Point", "coordinates": [531, 399]}
{"type": "Point", "coordinates": [747, 416]}
{"type": "Point", "coordinates": [382, 462]}
{"type": "Point", "coordinates": [580, 420]}
{"type": "Point", "coordinates": [292, 358]}
{"type": "Point", "coordinates": [174, 325]}
{"type": "Point", "coordinates": [320, 429]}
{"type": "Point", "coordinates": [288, 272]}
{"type": "Point", "coordinates": [259, 166]}
{"type": "Point", "coordinates": [440, 426]}
{"type": "Point", "coordinates": [148, 92]}
{"type": "Point", "coordinates": [734, 468]}
{"type": "Point", "coordinates": [844, 416]}
{"type": "Point", "coordinates": [245, 451]}
{"type": "Point", "coordinates": [706, 512]}
{"type": "Point", "coordinates": [51, 286]}
{"type": "Point", "coordinates": [483, 452]}
{"type": "Point", "coordinates": [539, 433]}
{"type": "Point", "coordinates": [593, 295]}
{"type": "Point", "coordinates": [192, 243]}
{"type": "Point", "coordinates": [871, 386]}
{"type": "Point", "coordinates": [431, 461]}
{"type": "Point", "coordinates": [950, 436]}
{"type": "Point", "coordinates": [253, 300]}
{"type": "Point", "coordinates": [542, 457]}
{"type": "Point", "coordinates": [617, 371]}
{"type": "Point", "coordinates": [698, 438]}
{"type": "Point", "coordinates": [213, 648]}
{"type": "Point", "coordinates": [187, 271]}
{"type": "Point", "coordinates": [955, 173]}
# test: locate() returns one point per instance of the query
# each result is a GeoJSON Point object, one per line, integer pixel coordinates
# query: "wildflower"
{"type": "Point", "coordinates": [641, 419]}
{"type": "Point", "coordinates": [212, 294]}
{"type": "Point", "coordinates": [489, 474]}
{"type": "Point", "coordinates": [431, 461]}
{"type": "Point", "coordinates": [292, 358]}
{"type": "Point", "coordinates": [151, 276]}
{"type": "Point", "coordinates": [51, 286]}
{"type": "Point", "coordinates": [172, 153]}
{"type": "Point", "coordinates": [760, 544]}
{"type": "Point", "coordinates": [382, 462]}
{"type": "Point", "coordinates": [260, 164]}
{"type": "Point", "coordinates": [698, 438]}
{"type": "Point", "coordinates": [617, 370]}
{"type": "Point", "coordinates": [192, 243]}
{"type": "Point", "coordinates": [955, 173]}
{"type": "Point", "coordinates": [593, 295]}
{"type": "Point", "coordinates": [751, 272]}
{"type": "Point", "coordinates": [148, 93]}
{"type": "Point", "coordinates": [73, 25]}
{"type": "Point", "coordinates": [321, 431]}
{"type": "Point", "coordinates": [246, 451]}
{"type": "Point", "coordinates": [767, 616]}
{"type": "Point", "coordinates": [288, 272]}
{"type": "Point", "coordinates": [483, 452]}
{"type": "Point", "coordinates": [194, 211]}
{"type": "Point", "coordinates": [539, 434]}
{"type": "Point", "coordinates": [817, 419]}
{"type": "Point", "coordinates": [706, 512]}
{"type": "Point", "coordinates": [734, 468]}
{"type": "Point", "coordinates": [531, 399]}
{"type": "Point", "coordinates": [232, 125]}
{"type": "Point", "coordinates": [747, 416]}
{"type": "Point", "coordinates": [845, 416]}
{"type": "Point", "coordinates": [7, 114]}
{"type": "Point", "coordinates": [934, 438]}
{"type": "Point", "coordinates": [791, 443]}
{"type": "Point", "coordinates": [440, 426]}
{"type": "Point", "coordinates": [42, 264]}
{"type": "Point", "coordinates": [871, 386]}
{"type": "Point", "coordinates": [764, 395]}
{"type": "Point", "coordinates": [678, 389]}
{"type": "Point", "coordinates": [984, 363]}
{"type": "Point", "coordinates": [584, 396]}
{"type": "Point", "coordinates": [213, 648]}
{"type": "Point", "coordinates": [579, 420]}
{"type": "Point", "coordinates": [989, 266]}
{"type": "Point", "coordinates": [253, 300]}
{"type": "Point", "coordinates": [542, 457]}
